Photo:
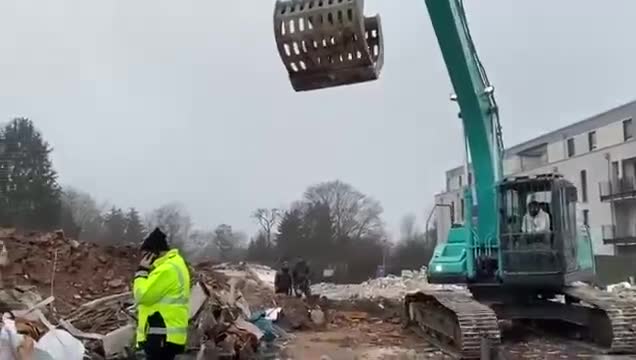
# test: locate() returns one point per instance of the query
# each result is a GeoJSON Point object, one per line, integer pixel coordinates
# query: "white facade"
{"type": "Point", "coordinates": [598, 155]}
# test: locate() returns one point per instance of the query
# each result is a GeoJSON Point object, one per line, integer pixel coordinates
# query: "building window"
{"type": "Point", "coordinates": [461, 183]}
{"type": "Point", "coordinates": [583, 185]}
{"type": "Point", "coordinates": [628, 131]}
{"type": "Point", "coordinates": [571, 147]}
{"type": "Point", "coordinates": [470, 179]}
{"type": "Point", "coordinates": [461, 210]}
{"type": "Point", "coordinates": [591, 140]}
{"type": "Point", "coordinates": [586, 217]}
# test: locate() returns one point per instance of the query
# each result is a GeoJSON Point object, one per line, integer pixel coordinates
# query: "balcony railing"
{"type": "Point", "coordinates": [619, 235]}
{"type": "Point", "coordinates": [616, 189]}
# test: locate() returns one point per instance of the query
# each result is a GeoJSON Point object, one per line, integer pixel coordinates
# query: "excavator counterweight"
{"type": "Point", "coordinates": [327, 43]}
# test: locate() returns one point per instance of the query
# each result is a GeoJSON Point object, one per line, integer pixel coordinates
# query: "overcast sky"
{"type": "Point", "coordinates": [150, 101]}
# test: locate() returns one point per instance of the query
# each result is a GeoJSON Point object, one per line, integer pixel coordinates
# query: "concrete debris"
{"type": "Point", "coordinates": [317, 317]}
{"type": "Point", "coordinates": [79, 293]}
{"type": "Point", "coordinates": [117, 342]}
{"type": "Point", "coordinates": [623, 289]}
{"type": "Point", "coordinates": [388, 287]}
{"type": "Point", "coordinates": [255, 282]}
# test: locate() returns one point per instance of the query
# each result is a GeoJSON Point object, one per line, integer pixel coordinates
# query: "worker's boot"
{"type": "Point", "coordinates": [327, 43]}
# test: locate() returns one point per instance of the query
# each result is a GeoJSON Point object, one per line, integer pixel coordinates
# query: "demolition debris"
{"type": "Point", "coordinates": [64, 299]}
{"type": "Point", "coordinates": [80, 293]}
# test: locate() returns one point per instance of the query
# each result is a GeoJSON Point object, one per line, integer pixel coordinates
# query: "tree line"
{"type": "Point", "coordinates": [333, 225]}
{"type": "Point", "coordinates": [339, 229]}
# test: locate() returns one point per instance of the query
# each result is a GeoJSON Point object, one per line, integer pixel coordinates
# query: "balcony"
{"type": "Point", "coordinates": [619, 235]}
{"type": "Point", "coordinates": [618, 189]}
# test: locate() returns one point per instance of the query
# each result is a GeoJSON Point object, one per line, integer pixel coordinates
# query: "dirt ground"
{"type": "Point", "coordinates": [358, 330]}
{"type": "Point", "coordinates": [357, 343]}
{"type": "Point", "coordinates": [371, 331]}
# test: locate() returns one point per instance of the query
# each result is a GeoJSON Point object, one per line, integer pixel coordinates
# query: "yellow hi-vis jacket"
{"type": "Point", "coordinates": [166, 289]}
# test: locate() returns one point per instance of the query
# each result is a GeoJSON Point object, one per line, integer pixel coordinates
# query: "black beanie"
{"type": "Point", "coordinates": [155, 242]}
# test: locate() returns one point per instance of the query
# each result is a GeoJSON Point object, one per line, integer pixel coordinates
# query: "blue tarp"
{"type": "Point", "coordinates": [265, 325]}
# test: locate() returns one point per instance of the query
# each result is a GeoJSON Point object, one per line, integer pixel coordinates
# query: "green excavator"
{"type": "Point", "coordinates": [513, 268]}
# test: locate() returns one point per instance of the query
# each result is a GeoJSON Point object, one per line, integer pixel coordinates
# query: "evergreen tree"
{"type": "Point", "coordinates": [318, 234]}
{"type": "Point", "coordinates": [115, 223]}
{"type": "Point", "coordinates": [260, 250]}
{"type": "Point", "coordinates": [134, 227]}
{"type": "Point", "coordinates": [31, 192]}
{"type": "Point", "coordinates": [289, 239]}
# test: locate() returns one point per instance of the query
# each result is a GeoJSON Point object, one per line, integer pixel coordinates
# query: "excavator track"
{"type": "Point", "coordinates": [452, 321]}
{"type": "Point", "coordinates": [619, 333]}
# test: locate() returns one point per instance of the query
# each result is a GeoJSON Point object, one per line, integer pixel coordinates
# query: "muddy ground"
{"type": "Point", "coordinates": [371, 330]}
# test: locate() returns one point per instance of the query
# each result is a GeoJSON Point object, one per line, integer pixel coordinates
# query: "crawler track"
{"type": "Point", "coordinates": [454, 322]}
{"type": "Point", "coordinates": [620, 329]}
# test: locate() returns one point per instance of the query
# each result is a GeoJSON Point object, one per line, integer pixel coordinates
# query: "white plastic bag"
{"type": "Point", "coordinates": [9, 339]}
{"type": "Point", "coordinates": [61, 345]}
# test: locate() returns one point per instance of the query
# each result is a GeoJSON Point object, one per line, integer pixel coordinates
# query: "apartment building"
{"type": "Point", "coordinates": [597, 154]}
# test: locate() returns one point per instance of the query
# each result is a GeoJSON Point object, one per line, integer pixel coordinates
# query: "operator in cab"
{"type": "Point", "coordinates": [162, 293]}
{"type": "Point", "coordinates": [535, 220]}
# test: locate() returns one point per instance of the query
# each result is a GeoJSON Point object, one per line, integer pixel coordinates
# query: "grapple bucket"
{"type": "Point", "coordinates": [327, 43]}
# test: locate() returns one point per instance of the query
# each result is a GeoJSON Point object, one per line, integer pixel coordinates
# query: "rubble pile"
{"type": "Point", "coordinates": [233, 308]}
{"type": "Point", "coordinates": [79, 293]}
{"type": "Point", "coordinates": [256, 282]}
{"type": "Point", "coordinates": [388, 287]}
{"type": "Point", "coordinates": [624, 290]}
{"type": "Point", "coordinates": [72, 271]}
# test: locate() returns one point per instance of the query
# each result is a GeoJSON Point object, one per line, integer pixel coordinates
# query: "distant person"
{"type": "Point", "coordinates": [535, 220]}
{"type": "Point", "coordinates": [283, 280]}
{"type": "Point", "coordinates": [300, 278]}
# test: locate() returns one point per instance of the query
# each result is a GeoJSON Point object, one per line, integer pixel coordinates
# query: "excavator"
{"type": "Point", "coordinates": [511, 271]}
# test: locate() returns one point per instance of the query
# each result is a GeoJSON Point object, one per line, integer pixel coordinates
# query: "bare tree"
{"type": "Point", "coordinates": [354, 214]}
{"type": "Point", "coordinates": [201, 246]}
{"type": "Point", "coordinates": [174, 220]}
{"type": "Point", "coordinates": [268, 220]}
{"type": "Point", "coordinates": [86, 212]}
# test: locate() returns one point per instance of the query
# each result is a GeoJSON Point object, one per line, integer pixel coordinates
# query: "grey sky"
{"type": "Point", "coordinates": [150, 101]}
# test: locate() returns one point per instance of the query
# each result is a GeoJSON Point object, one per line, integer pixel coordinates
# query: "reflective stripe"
{"type": "Point", "coordinates": [164, 331]}
{"type": "Point", "coordinates": [141, 273]}
{"type": "Point", "coordinates": [173, 301]}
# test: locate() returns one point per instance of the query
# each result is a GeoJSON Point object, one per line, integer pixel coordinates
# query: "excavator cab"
{"type": "Point", "coordinates": [539, 236]}
{"type": "Point", "coordinates": [539, 243]}
{"type": "Point", "coordinates": [327, 43]}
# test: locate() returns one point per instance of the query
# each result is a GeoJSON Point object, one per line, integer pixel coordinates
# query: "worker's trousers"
{"type": "Point", "coordinates": [157, 348]}
{"type": "Point", "coordinates": [302, 287]}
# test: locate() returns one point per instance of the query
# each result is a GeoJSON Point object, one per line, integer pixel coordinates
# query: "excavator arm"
{"type": "Point", "coordinates": [455, 260]}
{"type": "Point", "coordinates": [478, 111]}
